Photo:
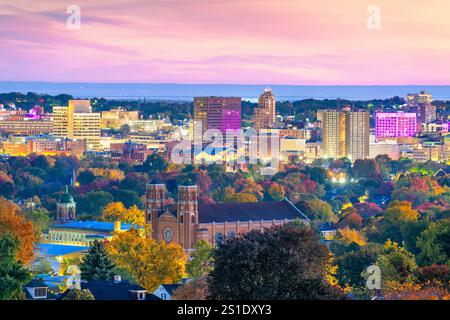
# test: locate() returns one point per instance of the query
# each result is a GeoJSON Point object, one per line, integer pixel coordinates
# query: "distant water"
{"type": "Point", "coordinates": [185, 92]}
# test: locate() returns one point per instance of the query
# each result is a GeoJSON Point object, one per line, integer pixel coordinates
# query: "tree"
{"type": "Point", "coordinates": [397, 264]}
{"type": "Point", "coordinates": [195, 289]}
{"type": "Point", "coordinates": [283, 262]}
{"type": "Point", "coordinates": [150, 263]}
{"type": "Point", "coordinates": [352, 221]}
{"type": "Point", "coordinates": [94, 202]}
{"type": "Point", "coordinates": [13, 276]}
{"type": "Point", "coordinates": [352, 264]}
{"type": "Point", "coordinates": [42, 266]}
{"type": "Point", "coordinates": [200, 261]}
{"type": "Point", "coordinates": [97, 265]}
{"type": "Point", "coordinates": [367, 168]}
{"type": "Point", "coordinates": [317, 209]}
{"type": "Point", "coordinates": [230, 195]}
{"type": "Point", "coordinates": [79, 294]}
{"type": "Point", "coordinates": [86, 177]}
{"type": "Point", "coordinates": [434, 243]}
{"type": "Point", "coordinates": [154, 164]}
{"type": "Point", "coordinates": [41, 219]}
{"type": "Point", "coordinates": [117, 211]}
{"type": "Point", "coordinates": [19, 228]}
{"type": "Point", "coordinates": [276, 192]}
{"type": "Point", "coordinates": [349, 236]}
{"type": "Point", "coordinates": [412, 291]}
{"type": "Point", "coordinates": [400, 211]}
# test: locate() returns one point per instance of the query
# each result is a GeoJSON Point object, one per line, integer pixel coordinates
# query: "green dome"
{"type": "Point", "coordinates": [66, 197]}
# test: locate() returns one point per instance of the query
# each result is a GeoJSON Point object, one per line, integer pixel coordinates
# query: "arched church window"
{"type": "Point", "coordinates": [192, 219]}
{"type": "Point", "coordinates": [231, 234]}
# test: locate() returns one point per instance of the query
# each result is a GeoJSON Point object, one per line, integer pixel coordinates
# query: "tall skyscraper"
{"type": "Point", "coordinates": [421, 104]}
{"type": "Point", "coordinates": [264, 114]}
{"type": "Point", "coordinates": [333, 134]}
{"type": "Point", "coordinates": [395, 124]}
{"type": "Point", "coordinates": [345, 134]}
{"type": "Point", "coordinates": [357, 134]}
{"type": "Point", "coordinates": [77, 122]}
{"type": "Point", "coordinates": [221, 113]}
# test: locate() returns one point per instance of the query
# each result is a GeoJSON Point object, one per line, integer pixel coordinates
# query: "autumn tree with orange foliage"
{"type": "Point", "coordinates": [195, 289]}
{"type": "Point", "coordinates": [21, 229]}
{"type": "Point", "coordinates": [149, 262]}
{"type": "Point", "coordinates": [413, 291]}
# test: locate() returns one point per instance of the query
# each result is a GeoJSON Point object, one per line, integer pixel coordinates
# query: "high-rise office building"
{"type": "Point", "coordinates": [421, 104]}
{"type": "Point", "coordinates": [395, 124]}
{"type": "Point", "coordinates": [357, 134]}
{"type": "Point", "coordinates": [264, 114]}
{"type": "Point", "coordinates": [77, 121]}
{"type": "Point", "coordinates": [221, 113]}
{"type": "Point", "coordinates": [345, 134]}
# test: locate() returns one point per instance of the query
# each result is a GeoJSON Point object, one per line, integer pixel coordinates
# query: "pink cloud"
{"type": "Point", "coordinates": [226, 41]}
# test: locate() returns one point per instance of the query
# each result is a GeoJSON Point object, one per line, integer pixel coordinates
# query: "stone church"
{"type": "Point", "coordinates": [189, 221]}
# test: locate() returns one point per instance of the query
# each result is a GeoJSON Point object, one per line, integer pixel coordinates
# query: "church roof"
{"type": "Point", "coordinates": [254, 211]}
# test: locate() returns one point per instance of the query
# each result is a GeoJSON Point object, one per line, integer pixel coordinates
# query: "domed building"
{"type": "Point", "coordinates": [66, 208]}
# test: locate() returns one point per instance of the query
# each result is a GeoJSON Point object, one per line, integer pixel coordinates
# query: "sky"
{"type": "Point", "coordinates": [296, 42]}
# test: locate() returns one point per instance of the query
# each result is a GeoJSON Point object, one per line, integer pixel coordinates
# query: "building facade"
{"type": "Point", "coordinates": [395, 124]}
{"type": "Point", "coordinates": [189, 221]}
{"type": "Point", "coordinates": [77, 121]}
{"type": "Point", "coordinates": [265, 114]}
{"type": "Point", "coordinates": [116, 118]}
{"type": "Point", "coordinates": [420, 103]}
{"type": "Point", "coordinates": [220, 113]}
{"type": "Point", "coordinates": [345, 133]}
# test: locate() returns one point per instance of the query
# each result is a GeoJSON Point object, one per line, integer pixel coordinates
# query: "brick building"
{"type": "Point", "coordinates": [190, 221]}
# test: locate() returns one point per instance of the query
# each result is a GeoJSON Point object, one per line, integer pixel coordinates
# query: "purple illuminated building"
{"type": "Point", "coordinates": [221, 113]}
{"type": "Point", "coordinates": [395, 124]}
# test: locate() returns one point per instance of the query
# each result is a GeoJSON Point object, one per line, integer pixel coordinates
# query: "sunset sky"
{"type": "Point", "coordinates": [226, 41]}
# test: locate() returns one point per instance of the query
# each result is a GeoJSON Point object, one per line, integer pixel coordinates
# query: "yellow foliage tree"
{"type": "Point", "coordinates": [150, 263]}
{"type": "Point", "coordinates": [117, 211]}
{"type": "Point", "coordinates": [349, 236]}
{"type": "Point", "coordinates": [400, 211]}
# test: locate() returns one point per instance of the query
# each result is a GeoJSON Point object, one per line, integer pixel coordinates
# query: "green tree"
{"type": "Point", "coordinates": [42, 266]}
{"type": "Point", "coordinates": [154, 164]}
{"type": "Point", "coordinates": [97, 264]}
{"type": "Point", "coordinates": [93, 202]}
{"type": "Point", "coordinates": [397, 264]}
{"type": "Point", "coordinates": [317, 209]}
{"type": "Point", "coordinates": [85, 177]}
{"type": "Point", "coordinates": [200, 261]}
{"type": "Point", "coordinates": [352, 264]}
{"type": "Point", "coordinates": [434, 244]}
{"type": "Point", "coordinates": [13, 276]}
{"type": "Point", "coordinates": [283, 262]}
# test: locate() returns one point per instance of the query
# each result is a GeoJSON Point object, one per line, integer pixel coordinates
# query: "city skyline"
{"type": "Point", "coordinates": [226, 42]}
